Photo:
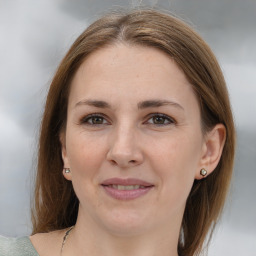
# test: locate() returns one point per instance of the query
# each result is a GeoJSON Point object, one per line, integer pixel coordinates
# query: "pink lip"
{"type": "Point", "coordinates": [126, 194]}
{"type": "Point", "coordinates": [126, 182]}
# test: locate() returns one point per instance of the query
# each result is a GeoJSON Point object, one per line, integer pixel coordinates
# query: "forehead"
{"type": "Point", "coordinates": [131, 73]}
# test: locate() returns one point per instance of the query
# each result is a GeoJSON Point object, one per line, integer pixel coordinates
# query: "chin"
{"type": "Point", "coordinates": [125, 224]}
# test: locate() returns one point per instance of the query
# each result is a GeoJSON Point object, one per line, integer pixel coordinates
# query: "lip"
{"type": "Point", "coordinates": [126, 194]}
{"type": "Point", "coordinates": [126, 182]}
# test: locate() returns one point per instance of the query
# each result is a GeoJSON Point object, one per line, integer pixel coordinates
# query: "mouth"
{"type": "Point", "coordinates": [126, 189]}
{"type": "Point", "coordinates": [122, 187]}
{"type": "Point", "coordinates": [126, 182]}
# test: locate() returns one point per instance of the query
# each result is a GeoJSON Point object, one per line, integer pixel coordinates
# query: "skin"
{"type": "Point", "coordinates": [129, 142]}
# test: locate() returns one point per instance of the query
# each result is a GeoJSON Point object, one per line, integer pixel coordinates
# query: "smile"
{"type": "Point", "coordinates": [130, 187]}
{"type": "Point", "coordinates": [126, 192]}
{"type": "Point", "coordinates": [126, 189]}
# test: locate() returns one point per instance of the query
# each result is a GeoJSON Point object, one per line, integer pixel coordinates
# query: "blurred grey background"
{"type": "Point", "coordinates": [34, 36]}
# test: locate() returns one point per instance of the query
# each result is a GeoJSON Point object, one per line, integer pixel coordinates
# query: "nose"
{"type": "Point", "coordinates": [124, 150]}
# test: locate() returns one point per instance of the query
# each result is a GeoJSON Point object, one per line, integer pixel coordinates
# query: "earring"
{"type": "Point", "coordinates": [203, 172]}
{"type": "Point", "coordinates": [66, 170]}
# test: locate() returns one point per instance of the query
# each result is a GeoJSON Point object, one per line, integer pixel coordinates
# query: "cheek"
{"type": "Point", "coordinates": [85, 155]}
{"type": "Point", "coordinates": [176, 162]}
{"type": "Point", "coordinates": [179, 152]}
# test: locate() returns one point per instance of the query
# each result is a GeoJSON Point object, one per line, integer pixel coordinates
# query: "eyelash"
{"type": "Point", "coordinates": [168, 118]}
{"type": "Point", "coordinates": [85, 120]}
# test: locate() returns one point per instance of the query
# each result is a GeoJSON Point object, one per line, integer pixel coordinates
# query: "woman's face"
{"type": "Point", "coordinates": [132, 114]}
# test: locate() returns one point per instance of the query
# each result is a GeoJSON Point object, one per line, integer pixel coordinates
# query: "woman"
{"type": "Point", "coordinates": [137, 143]}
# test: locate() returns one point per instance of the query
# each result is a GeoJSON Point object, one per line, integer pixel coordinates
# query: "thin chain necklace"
{"type": "Point", "coordinates": [65, 238]}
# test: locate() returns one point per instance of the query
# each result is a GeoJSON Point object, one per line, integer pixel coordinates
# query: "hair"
{"type": "Point", "coordinates": [55, 203]}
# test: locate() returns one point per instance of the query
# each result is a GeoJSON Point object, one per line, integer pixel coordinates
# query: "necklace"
{"type": "Point", "coordinates": [65, 238]}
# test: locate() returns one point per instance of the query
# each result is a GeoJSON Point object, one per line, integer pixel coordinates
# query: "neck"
{"type": "Point", "coordinates": [88, 239]}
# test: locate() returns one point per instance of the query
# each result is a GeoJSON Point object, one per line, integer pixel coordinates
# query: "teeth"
{"type": "Point", "coordinates": [130, 187]}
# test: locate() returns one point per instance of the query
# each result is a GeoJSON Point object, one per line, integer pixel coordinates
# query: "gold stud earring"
{"type": "Point", "coordinates": [66, 170]}
{"type": "Point", "coordinates": [203, 172]}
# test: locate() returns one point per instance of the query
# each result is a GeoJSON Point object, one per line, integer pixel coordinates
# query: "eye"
{"type": "Point", "coordinates": [94, 119]}
{"type": "Point", "coordinates": [160, 119]}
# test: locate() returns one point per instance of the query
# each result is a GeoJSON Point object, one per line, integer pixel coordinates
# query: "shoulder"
{"type": "Point", "coordinates": [20, 246]}
{"type": "Point", "coordinates": [48, 243]}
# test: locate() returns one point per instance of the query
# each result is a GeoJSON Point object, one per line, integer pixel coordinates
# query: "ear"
{"type": "Point", "coordinates": [64, 155]}
{"type": "Point", "coordinates": [212, 150]}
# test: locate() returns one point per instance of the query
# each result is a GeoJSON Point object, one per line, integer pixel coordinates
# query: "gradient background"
{"type": "Point", "coordinates": [34, 36]}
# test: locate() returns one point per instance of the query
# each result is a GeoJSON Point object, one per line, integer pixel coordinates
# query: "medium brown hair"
{"type": "Point", "coordinates": [56, 205]}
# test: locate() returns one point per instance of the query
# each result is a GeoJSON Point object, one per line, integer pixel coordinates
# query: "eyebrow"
{"type": "Point", "coordinates": [94, 103]}
{"type": "Point", "coordinates": [158, 103]}
{"type": "Point", "coordinates": [141, 105]}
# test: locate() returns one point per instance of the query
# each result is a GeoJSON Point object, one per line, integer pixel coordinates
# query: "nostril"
{"type": "Point", "coordinates": [113, 162]}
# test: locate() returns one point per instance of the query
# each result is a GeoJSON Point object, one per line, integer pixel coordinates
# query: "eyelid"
{"type": "Point", "coordinates": [170, 119]}
{"type": "Point", "coordinates": [84, 119]}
